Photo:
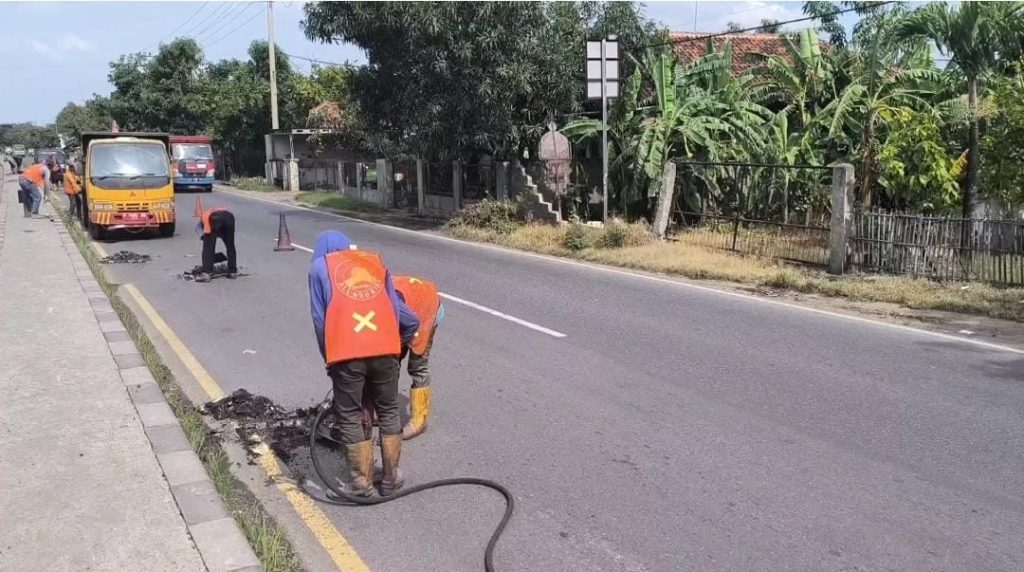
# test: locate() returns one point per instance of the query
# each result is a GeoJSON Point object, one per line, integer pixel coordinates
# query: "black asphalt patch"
{"type": "Point", "coordinates": [260, 419]}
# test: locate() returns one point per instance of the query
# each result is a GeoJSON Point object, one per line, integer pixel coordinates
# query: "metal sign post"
{"type": "Point", "coordinates": [603, 83]}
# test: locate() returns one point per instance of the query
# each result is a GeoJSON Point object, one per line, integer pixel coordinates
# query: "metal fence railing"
{"type": "Point", "coordinates": [942, 248]}
{"type": "Point", "coordinates": [438, 179]}
{"type": "Point", "coordinates": [807, 244]}
{"type": "Point", "coordinates": [405, 194]}
{"type": "Point", "coordinates": [478, 181]}
{"type": "Point", "coordinates": [315, 174]}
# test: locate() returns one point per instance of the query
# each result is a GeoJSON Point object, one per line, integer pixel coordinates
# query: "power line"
{"type": "Point", "coordinates": [226, 20]}
{"type": "Point", "coordinates": [758, 28]}
{"type": "Point", "coordinates": [315, 61]}
{"type": "Point", "coordinates": [211, 18]}
{"type": "Point", "coordinates": [180, 26]}
{"type": "Point", "coordinates": [237, 28]}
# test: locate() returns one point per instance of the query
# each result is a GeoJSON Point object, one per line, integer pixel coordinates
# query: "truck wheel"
{"type": "Point", "coordinates": [167, 229]}
{"type": "Point", "coordinates": [96, 231]}
{"type": "Point", "coordinates": [209, 189]}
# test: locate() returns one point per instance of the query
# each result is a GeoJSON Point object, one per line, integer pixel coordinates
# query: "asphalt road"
{"type": "Point", "coordinates": [671, 428]}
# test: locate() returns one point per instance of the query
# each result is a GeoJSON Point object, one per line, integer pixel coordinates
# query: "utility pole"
{"type": "Point", "coordinates": [273, 66]}
{"type": "Point", "coordinates": [603, 84]}
{"type": "Point", "coordinates": [604, 128]}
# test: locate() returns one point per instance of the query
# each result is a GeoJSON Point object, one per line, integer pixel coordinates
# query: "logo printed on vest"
{"type": "Point", "coordinates": [359, 284]}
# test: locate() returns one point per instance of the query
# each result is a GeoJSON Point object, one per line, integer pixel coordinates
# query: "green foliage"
{"type": "Point", "coordinates": [1003, 173]}
{"type": "Point", "coordinates": [578, 236]}
{"type": "Point", "coordinates": [30, 135]}
{"type": "Point", "coordinates": [75, 119]}
{"type": "Point", "coordinates": [913, 164]}
{"type": "Point", "coordinates": [462, 78]}
{"type": "Point", "coordinates": [499, 216]}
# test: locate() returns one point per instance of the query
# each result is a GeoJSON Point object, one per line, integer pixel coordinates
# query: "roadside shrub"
{"type": "Point", "coordinates": [578, 236]}
{"type": "Point", "coordinates": [618, 233]}
{"type": "Point", "coordinates": [499, 216]}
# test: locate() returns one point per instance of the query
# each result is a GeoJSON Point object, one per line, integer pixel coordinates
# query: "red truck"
{"type": "Point", "coordinates": [194, 167]}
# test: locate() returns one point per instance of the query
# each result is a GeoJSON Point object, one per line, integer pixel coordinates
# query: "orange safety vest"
{"type": "Point", "coordinates": [71, 186]}
{"type": "Point", "coordinates": [35, 174]}
{"type": "Point", "coordinates": [361, 321]}
{"type": "Point", "coordinates": [206, 219]}
{"type": "Point", "coordinates": [421, 297]}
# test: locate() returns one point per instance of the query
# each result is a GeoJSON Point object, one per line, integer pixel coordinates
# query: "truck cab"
{"type": "Point", "coordinates": [194, 166]}
{"type": "Point", "coordinates": [127, 183]}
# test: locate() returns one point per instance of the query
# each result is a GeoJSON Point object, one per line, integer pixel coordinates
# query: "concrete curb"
{"type": "Point", "coordinates": [215, 534]}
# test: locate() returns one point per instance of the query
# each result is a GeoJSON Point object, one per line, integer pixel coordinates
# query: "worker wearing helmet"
{"type": "Point", "coordinates": [216, 223]}
{"type": "Point", "coordinates": [422, 298]}
{"type": "Point", "coordinates": [360, 324]}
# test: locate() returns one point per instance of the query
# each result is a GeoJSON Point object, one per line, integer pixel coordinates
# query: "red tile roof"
{"type": "Point", "coordinates": [745, 47]}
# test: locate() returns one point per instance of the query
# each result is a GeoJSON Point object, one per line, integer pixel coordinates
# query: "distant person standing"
{"type": "Point", "coordinates": [32, 182]}
{"type": "Point", "coordinates": [73, 190]}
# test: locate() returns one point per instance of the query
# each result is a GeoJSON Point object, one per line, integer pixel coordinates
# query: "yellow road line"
{"type": "Point", "coordinates": [329, 537]}
{"type": "Point", "coordinates": [194, 367]}
{"type": "Point", "coordinates": [326, 534]}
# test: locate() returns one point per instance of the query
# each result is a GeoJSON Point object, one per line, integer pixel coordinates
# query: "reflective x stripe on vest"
{"type": "Point", "coordinates": [421, 297]}
{"type": "Point", "coordinates": [361, 321]}
{"type": "Point", "coordinates": [206, 218]}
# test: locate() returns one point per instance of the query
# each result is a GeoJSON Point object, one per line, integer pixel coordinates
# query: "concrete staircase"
{"type": "Point", "coordinates": [538, 209]}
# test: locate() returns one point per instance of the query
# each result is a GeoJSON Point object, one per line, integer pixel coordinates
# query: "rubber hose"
{"type": "Point", "coordinates": [406, 491]}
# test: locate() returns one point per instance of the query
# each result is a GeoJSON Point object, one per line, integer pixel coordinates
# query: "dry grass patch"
{"type": "Point", "coordinates": [640, 251]}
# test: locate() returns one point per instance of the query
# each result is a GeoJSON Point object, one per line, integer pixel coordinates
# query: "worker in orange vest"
{"type": "Point", "coordinates": [32, 183]}
{"type": "Point", "coordinates": [422, 298]}
{"type": "Point", "coordinates": [361, 324]}
{"type": "Point", "coordinates": [216, 223]}
{"type": "Point", "coordinates": [73, 190]}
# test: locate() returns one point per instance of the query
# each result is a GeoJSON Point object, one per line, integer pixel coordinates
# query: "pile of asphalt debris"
{"type": "Point", "coordinates": [257, 418]}
{"type": "Point", "coordinates": [219, 271]}
{"type": "Point", "coordinates": [126, 257]}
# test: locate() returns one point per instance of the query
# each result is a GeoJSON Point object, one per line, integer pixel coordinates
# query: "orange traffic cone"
{"type": "Point", "coordinates": [199, 208]}
{"type": "Point", "coordinates": [284, 240]}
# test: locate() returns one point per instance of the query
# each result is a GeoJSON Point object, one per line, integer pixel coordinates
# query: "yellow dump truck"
{"type": "Point", "coordinates": [127, 182]}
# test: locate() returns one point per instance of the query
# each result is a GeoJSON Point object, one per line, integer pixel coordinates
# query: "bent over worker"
{"type": "Point", "coordinates": [422, 298]}
{"type": "Point", "coordinates": [32, 183]}
{"type": "Point", "coordinates": [360, 324]}
{"type": "Point", "coordinates": [216, 223]}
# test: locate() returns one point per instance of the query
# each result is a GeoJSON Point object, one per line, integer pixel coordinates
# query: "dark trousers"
{"type": "Point", "coordinates": [74, 205]}
{"type": "Point", "coordinates": [379, 377]}
{"type": "Point", "coordinates": [419, 365]}
{"type": "Point", "coordinates": [222, 226]}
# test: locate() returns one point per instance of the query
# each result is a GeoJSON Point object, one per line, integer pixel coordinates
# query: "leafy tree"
{"type": "Point", "coordinates": [75, 119]}
{"type": "Point", "coordinates": [29, 135]}
{"type": "Point", "coordinates": [1003, 176]}
{"type": "Point", "coordinates": [914, 166]}
{"type": "Point", "coordinates": [972, 34]}
{"type": "Point", "coordinates": [797, 80]}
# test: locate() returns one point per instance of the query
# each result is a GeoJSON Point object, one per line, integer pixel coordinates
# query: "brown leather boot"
{"type": "Point", "coordinates": [390, 453]}
{"type": "Point", "coordinates": [360, 462]}
{"type": "Point", "coordinates": [419, 411]}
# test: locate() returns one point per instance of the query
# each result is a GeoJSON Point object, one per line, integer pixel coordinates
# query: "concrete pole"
{"type": "Point", "coordinates": [457, 184]}
{"type": "Point", "coordinates": [420, 189]}
{"type": "Point", "coordinates": [273, 66]}
{"type": "Point", "coordinates": [385, 183]}
{"type": "Point", "coordinates": [842, 218]}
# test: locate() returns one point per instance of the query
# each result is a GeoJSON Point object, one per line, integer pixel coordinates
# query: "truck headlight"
{"type": "Point", "coordinates": [102, 206]}
{"type": "Point", "coordinates": [163, 206]}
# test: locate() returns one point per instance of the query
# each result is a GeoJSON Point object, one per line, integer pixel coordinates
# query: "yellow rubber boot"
{"type": "Point", "coordinates": [390, 453]}
{"type": "Point", "coordinates": [360, 462]}
{"type": "Point", "coordinates": [419, 410]}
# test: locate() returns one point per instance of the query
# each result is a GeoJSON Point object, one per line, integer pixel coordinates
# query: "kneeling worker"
{"type": "Point", "coordinates": [422, 298]}
{"type": "Point", "coordinates": [216, 223]}
{"type": "Point", "coordinates": [360, 324]}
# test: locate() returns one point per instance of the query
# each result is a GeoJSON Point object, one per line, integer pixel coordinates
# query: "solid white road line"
{"type": "Point", "coordinates": [503, 315]}
{"type": "Point", "coordinates": [483, 308]}
{"type": "Point", "coordinates": [680, 283]}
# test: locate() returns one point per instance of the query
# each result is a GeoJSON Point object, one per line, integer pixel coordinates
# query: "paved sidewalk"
{"type": "Point", "coordinates": [81, 485]}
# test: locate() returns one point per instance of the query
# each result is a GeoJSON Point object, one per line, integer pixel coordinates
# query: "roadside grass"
{"type": "Point", "coordinates": [267, 539]}
{"type": "Point", "coordinates": [591, 244]}
{"type": "Point", "coordinates": [337, 201]}
{"type": "Point", "coordinates": [258, 184]}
